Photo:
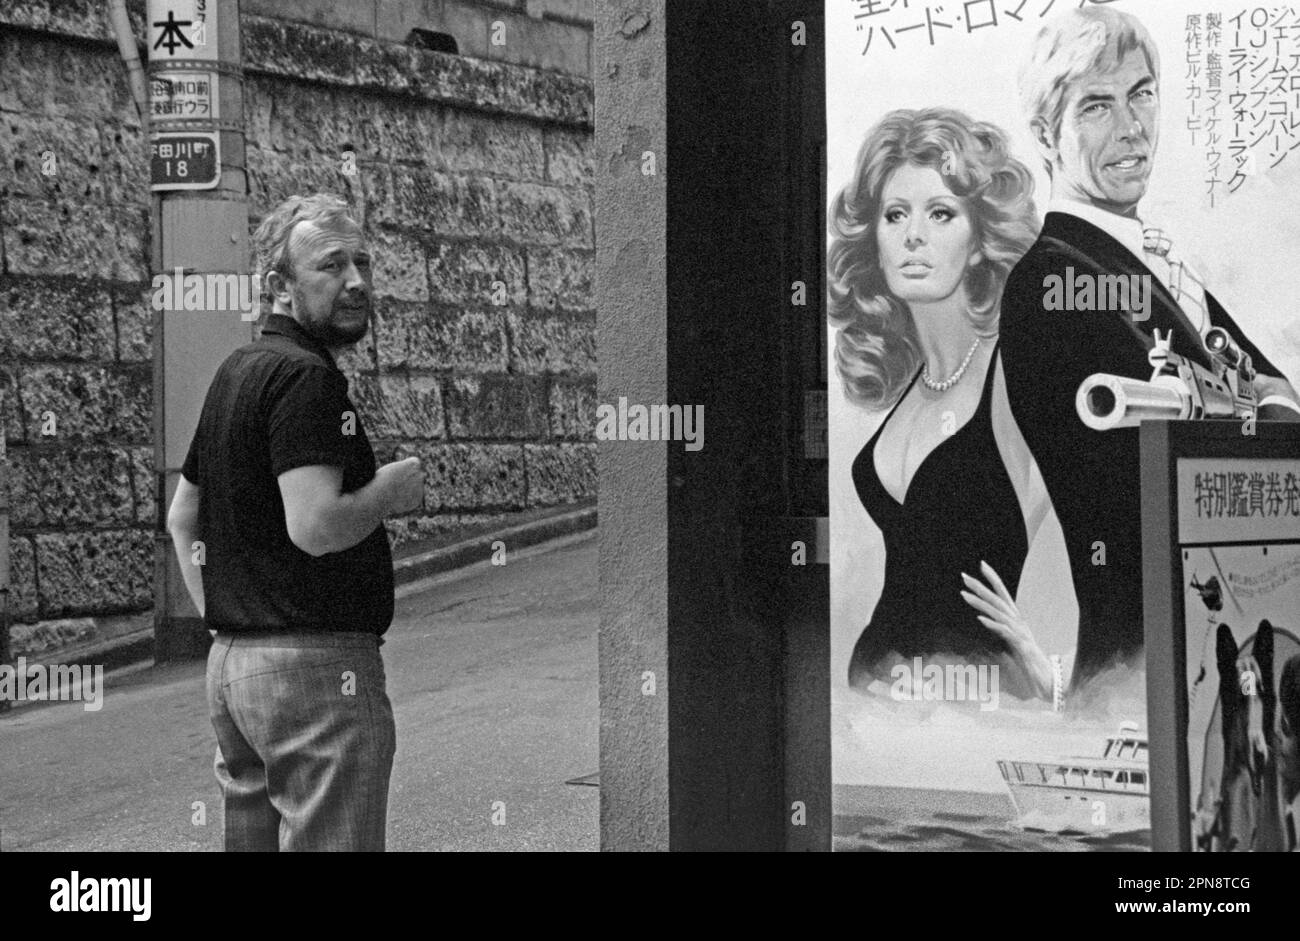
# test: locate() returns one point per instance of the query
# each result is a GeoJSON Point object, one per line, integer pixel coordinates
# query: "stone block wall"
{"type": "Point", "coordinates": [473, 178]}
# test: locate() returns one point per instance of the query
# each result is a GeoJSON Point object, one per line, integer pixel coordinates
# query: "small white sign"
{"type": "Point", "coordinates": [1226, 500]}
{"type": "Point", "coordinates": [182, 29]}
{"type": "Point", "coordinates": [183, 96]}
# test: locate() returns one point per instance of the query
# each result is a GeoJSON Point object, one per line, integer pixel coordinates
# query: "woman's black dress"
{"type": "Point", "coordinates": [960, 508]}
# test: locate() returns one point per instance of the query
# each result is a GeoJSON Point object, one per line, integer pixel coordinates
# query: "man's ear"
{"type": "Point", "coordinates": [278, 287]}
{"type": "Point", "coordinates": [1044, 140]}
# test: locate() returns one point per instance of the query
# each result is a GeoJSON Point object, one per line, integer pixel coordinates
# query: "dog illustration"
{"type": "Point", "coordinates": [1242, 815]}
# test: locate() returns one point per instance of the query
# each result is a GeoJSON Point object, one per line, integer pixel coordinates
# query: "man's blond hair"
{"type": "Point", "coordinates": [1070, 46]}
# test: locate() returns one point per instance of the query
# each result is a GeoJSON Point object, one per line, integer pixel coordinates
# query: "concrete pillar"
{"type": "Point", "coordinates": [631, 341]}
{"type": "Point", "coordinates": [198, 231]}
{"type": "Point", "coordinates": [693, 286]}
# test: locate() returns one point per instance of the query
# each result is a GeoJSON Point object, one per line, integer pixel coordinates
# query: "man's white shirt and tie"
{"type": "Point", "coordinates": [1154, 248]}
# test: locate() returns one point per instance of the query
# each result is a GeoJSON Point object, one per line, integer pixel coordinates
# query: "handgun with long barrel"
{"type": "Point", "coordinates": [1179, 387]}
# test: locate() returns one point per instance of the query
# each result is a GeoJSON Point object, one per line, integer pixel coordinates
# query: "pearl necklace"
{"type": "Point", "coordinates": [953, 379]}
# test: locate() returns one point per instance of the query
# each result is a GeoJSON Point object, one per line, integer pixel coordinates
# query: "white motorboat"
{"type": "Point", "coordinates": [1085, 794]}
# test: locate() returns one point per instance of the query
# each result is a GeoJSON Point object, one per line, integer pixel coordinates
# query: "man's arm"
{"type": "Point", "coordinates": [183, 524]}
{"type": "Point", "coordinates": [320, 518]}
{"type": "Point", "coordinates": [309, 438]}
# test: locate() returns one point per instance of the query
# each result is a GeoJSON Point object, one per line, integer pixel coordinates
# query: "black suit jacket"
{"type": "Point", "coordinates": [1091, 476]}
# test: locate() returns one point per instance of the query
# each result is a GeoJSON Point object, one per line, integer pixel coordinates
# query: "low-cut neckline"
{"type": "Point", "coordinates": [875, 439]}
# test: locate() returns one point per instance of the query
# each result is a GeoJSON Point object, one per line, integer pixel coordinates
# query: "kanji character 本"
{"type": "Point", "coordinates": [171, 33]}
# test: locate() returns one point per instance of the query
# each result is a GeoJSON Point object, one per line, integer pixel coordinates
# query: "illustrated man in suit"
{"type": "Point", "coordinates": [1091, 92]}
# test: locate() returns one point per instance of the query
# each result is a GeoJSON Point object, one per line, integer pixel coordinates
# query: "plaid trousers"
{"type": "Point", "coordinates": [305, 740]}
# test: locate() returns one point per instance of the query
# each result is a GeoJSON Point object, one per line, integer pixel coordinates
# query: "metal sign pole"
{"type": "Point", "coordinates": [200, 190]}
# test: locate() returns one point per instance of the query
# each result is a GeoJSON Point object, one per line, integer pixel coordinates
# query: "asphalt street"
{"type": "Point", "coordinates": [492, 675]}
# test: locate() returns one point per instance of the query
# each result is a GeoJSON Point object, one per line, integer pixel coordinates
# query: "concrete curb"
{"type": "Point", "coordinates": [479, 548]}
{"type": "Point", "coordinates": [115, 641]}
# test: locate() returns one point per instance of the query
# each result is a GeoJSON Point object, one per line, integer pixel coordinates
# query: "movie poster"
{"type": "Point", "coordinates": [1023, 194]}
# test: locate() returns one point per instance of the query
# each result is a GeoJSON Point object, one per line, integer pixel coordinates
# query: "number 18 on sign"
{"type": "Point", "coordinates": [184, 161]}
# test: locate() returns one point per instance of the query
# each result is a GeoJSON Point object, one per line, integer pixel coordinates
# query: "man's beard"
{"type": "Point", "coordinates": [328, 333]}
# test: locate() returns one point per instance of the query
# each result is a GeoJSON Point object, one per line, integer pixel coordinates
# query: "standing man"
{"type": "Point", "coordinates": [277, 523]}
{"type": "Point", "coordinates": [1091, 93]}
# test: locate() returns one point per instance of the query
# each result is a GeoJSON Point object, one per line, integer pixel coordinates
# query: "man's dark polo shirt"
{"type": "Point", "coordinates": [277, 404]}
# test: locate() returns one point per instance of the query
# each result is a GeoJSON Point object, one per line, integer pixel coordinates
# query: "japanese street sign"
{"type": "Point", "coordinates": [183, 96]}
{"type": "Point", "coordinates": [184, 162]}
{"type": "Point", "coordinates": [182, 29]}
